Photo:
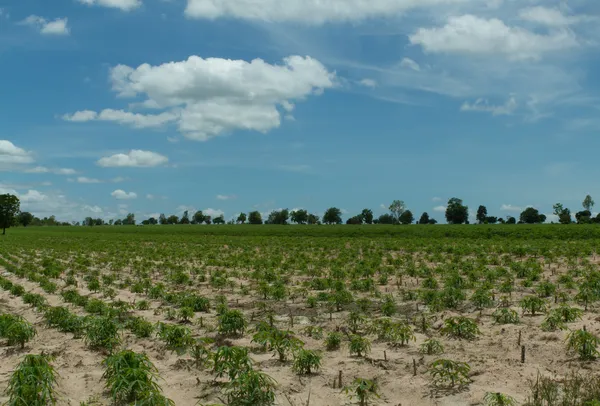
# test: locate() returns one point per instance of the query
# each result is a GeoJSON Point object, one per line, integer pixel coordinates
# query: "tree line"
{"type": "Point", "coordinates": [456, 213]}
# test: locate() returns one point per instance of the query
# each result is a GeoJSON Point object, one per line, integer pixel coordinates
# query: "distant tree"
{"type": "Point", "coordinates": [397, 208]}
{"type": "Point", "coordinates": [9, 210]}
{"type": "Point", "coordinates": [98, 222]}
{"type": "Point", "coordinates": [332, 215]}
{"type": "Point", "coordinates": [129, 220]}
{"type": "Point", "coordinates": [242, 218]}
{"type": "Point", "coordinates": [278, 217]}
{"type": "Point", "coordinates": [313, 219]}
{"type": "Point", "coordinates": [118, 222]}
{"type": "Point", "coordinates": [424, 218]}
{"type": "Point", "coordinates": [152, 221]}
{"type": "Point", "coordinates": [111, 222]}
{"type": "Point", "coordinates": [356, 220]}
{"type": "Point", "coordinates": [219, 220]}
{"type": "Point", "coordinates": [584, 217]}
{"type": "Point", "coordinates": [185, 219]}
{"type": "Point", "coordinates": [207, 220]}
{"type": "Point", "coordinates": [531, 216]}
{"type": "Point", "coordinates": [501, 220]}
{"type": "Point", "coordinates": [25, 218]}
{"type": "Point", "coordinates": [162, 219]}
{"type": "Point", "coordinates": [456, 212]}
{"type": "Point", "coordinates": [432, 221]}
{"type": "Point", "coordinates": [511, 220]}
{"type": "Point", "coordinates": [254, 217]}
{"type": "Point", "coordinates": [588, 203]}
{"type": "Point", "coordinates": [481, 214]}
{"type": "Point", "coordinates": [299, 216]}
{"type": "Point", "coordinates": [172, 219]}
{"type": "Point", "coordinates": [407, 218]}
{"type": "Point", "coordinates": [199, 217]}
{"type": "Point", "coordinates": [367, 216]}
{"type": "Point", "coordinates": [88, 221]}
{"type": "Point", "coordinates": [491, 220]}
{"type": "Point", "coordinates": [564, 214]}
{"type": "Point", "coordinates": [386, 219]}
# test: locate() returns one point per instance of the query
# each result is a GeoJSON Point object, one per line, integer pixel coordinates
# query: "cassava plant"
{"type": "Point", "coordinates": [460, 327]}
{"type": "Point", "coordinates": [363, 390]}
{"type": "Point", "coordinates": [33, 382]}
{"type": "Point", "coordinates": [448, 373]}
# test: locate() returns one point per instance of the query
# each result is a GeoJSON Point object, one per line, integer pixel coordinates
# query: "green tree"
{"type": "Point", "coordinates": [219, 220]}
{"type": "Point", "coordinates": [512, 220]}
{"type": "Point", "coordinates": [9, 210]}
{"type": "Point", "coordinates": [278, 217]}
{"type": "Point", "coordinates": [299, 216]}
{"type": "Point", "coordinates": [25, 218]}
{"type": "Point", "coordinates": [584, 217]}
{"type": "Point", "coordinates": [424, 218]}
{"type": "Point", "coordinates": [332, 215]}
{"type": "Point", "coordinates": [481, 214]}
{"type": "Point", "coordinates": [162, 219]}
{"type": "Point", "coordinates": [588, 203]}
{"type": "Point", "coordinates": [242, 218]}
{"type": "Point", "coordinates": [407, 217]}
{"type": "Point", "coordinates": [129, 220]}
{"type": "Point", "coordinates": [185, 219]}
{"type": "Point", "coordinates": [563, 214]}
{"type": "Point", "coordinates": [456, 212]}
{"type": "Point", "coordinates": [254, 217]}
{"type": "Point", "coordinates": [199, 217]}
{"type": "Point", "coordinates": [313, 219]}
{"type": "Point", "coordinates": [531, 216]}
{"type": "Point", "coordinates": [397, 208]}
{"type": "Point", "coordinates": [386, 219]}
{"type": "Point", "coordinates": [172, 219]}
{"type": "Point", "coordinates": [367, 216]}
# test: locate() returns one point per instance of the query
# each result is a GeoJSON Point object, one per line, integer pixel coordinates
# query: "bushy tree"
{"type": "Point", "coordinates": [424, 218]}
{"type": "Point", "coordinates": [219, 220]}
{"type": "Point", "coordinates": [588, 203]}
{"type": "Point", "coordinates": [563, 214]}
{"type": "Point", "coordinates": [481, 214]}
{"type": "Point", "coordinates": [198, 218]}
{"type": "Point", "coordinates": [332, 215]}
{"type": "Point", "coordinates": [254, 217]}
{"type": "Point", "coordinates": [172, 219]}
{"type": "Point", "coordinates": [242, 218]}
{"type": "Point", "coordinates": [397, 208]}
{"type": "Point", "coordinates": [456, 212]}
{"type": "Point", "coordinates": [9, 210]}
{"type": "Point", "coordinates": [367, 216]}
{"type": "Point", "coordinates": [278, 217]}
{"type": "Point", "coordinates": [25, 218]}
{"type": "Point", "coordinates": [531, 215]}
{"type": "Point", "coordinates": [583, 217]}
{"type": "Point", "coordinates": [313, 219]}
{"type": "Point", "coordinates": [299, 216]}
{"type": "Point", "coordinates": [407, 217]}
{"type": "Point", "coordinates": [386, 219]}
{"type": "Point", "coordinates": [162, 219]}
{"type": "Point", "coordinates": [356, 220]}
{"type": "Point", "coordinates": [185, 219]}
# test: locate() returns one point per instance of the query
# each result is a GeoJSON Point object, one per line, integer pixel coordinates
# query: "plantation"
{"type": "Point", "coordinates": [300, 315]}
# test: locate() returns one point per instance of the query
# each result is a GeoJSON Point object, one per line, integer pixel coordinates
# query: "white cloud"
{"type": "Point", "coordinates": [32, 196]}
{"type": "Point", "coordinates": [11, 154]}
{"type": "Point", "coordinates": [125, 5]}
{"type": "Point", "coordinates": [213, 96]}
{"type": "Point", "coordinates": [56, 171]}
{"type": "Point", "coordinates": [92, 209]}
{"type": "Point", "coordinates": [469, 34]}
{"type": "Point", "coordinates": [368, 83]}
{"type": "Point", "coordinates": [83, 179]}
{"type": "Point", "coordinates": [118, 179]}
{"type": "Point", "coordinates": [441, 209]}
{"type": "Point", "coordinates": [134, 158]}
{"type": "Point", "coordinates": [552, 17]}
{"type": "Point", "coordinates": [46, 27]}
{"type": "Point", "coordinates": [410, 64]}
{"type": "Point", "coordinates": [482, 105]}
{"type": "Point", "coordinates": [122, 195]}
{"type": "Point", "coordinates": [436, 199]}
{"type": "Point", "coordinates": [226, 197]}
{"type": "Point", "coordinates": [305, 11]}
{"type": "Point", "coordinates": [213, 212]}
{"type": "Point", "coordinates": [510, 207]}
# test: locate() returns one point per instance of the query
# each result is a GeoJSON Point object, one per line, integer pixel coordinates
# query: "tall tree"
{"type": "Point", "coordinates": [530, 215]}
{"type": "Point", "coordinates": [332, 215]}
{"type": "Point", "coordinates": [162, 219]}
{"type": "Point", "coordinates": [424, 218]}
{"type": "Point", "coordinates": [313, 219]}
{"type": "Point", "coordinates": [185, 219]}
{"type": "Point", "coordinates": [481, 214]}
{"type": "Point", "coordinates": [199, 217]}
{"type": "Point", "coordinates": [407, 218]}
{"type": "Point", "coordinates": [129, 220]}
{"type": "Point", "coordinates": [367, 216]}
{"type": "Point", "coordinates": [152, 221]}
{"type": "Point", "coordinates": [564, 214]}
{"type": "Point", "coordinates": [278, 217]}
{"type": "Point", "coordinates": [397, 208]}
{"type": "Point", "coordinates": [10, 207]}
{"type": "Point", "coordinates": [242, 218]}
{"type": "Point", "coordinates": [254, 217]}
{"type": "Point", "coordinates": [588, 203]}
{"type": "Point", "coordinates": [456, 212]}
{"type": "Point", "coordinates": [25, 218]}
{"type": "Point", "coordinates": [299, 216]}
{"type": "Point", "coordinates": [172, 219]}
{"type": "Point", "coordinates": [219, 220]}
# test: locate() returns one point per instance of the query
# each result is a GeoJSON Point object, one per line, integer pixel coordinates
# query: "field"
{"type": "Point", "coordinates": [259, 315]}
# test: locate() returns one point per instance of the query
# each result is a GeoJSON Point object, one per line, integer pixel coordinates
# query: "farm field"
{"type": "Point", "coordinates": [260, 315]}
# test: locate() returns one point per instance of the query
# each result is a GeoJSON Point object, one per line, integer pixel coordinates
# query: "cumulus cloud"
{"type": "Point", "coordinates": [469, 34]}
{"type": "Point", "coordinates": [11, 154]}
{"type": "Point", "coordinates": [441, 209]}
{"type": "Point", "coordinates": [123, 195]}
{"type": "Point", "coordinates": [83, 179]}
{"type": "Point", "coordinates": [410, 64]}
{"type": "Point", "coordinates": [134, 158]}
{"type": "Point", "coordinates": [368, 83]}
{"type": "Point", "coordinates": [552, 17]}
{"type": "Point", "coordinates": [226, 197]}
{"type": "Point", "coordinates": [511, 208]}
{"type": "Point", "coordinates": [32, 196]}
{"type": "Point", "coordinates": [305, 11]}
{"type": "Point", "coordinates": [213, 96]}
{"type": "Point", "coordinates": [213, 212]}
{"type": "Point", "coordinates": [46, 27]}
{"type": "Point", "coordinates": [56, 171]}
{"type": "Point", "coordinates": [125, 5]}
{"type": "Point", "coordinates": [483, 105]}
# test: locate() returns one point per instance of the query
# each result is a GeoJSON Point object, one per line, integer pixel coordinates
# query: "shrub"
{"type": "Point", "coordinates": [460, 327]}
{"type": "Point", "coordinates": [363, 390]}
{"type": "Point", "coordinates": [431, 347]}
{"type": "Point", "coordinates": [231, 361]}
{"type": "Point", "coordinates": [232, 322]}
{"type": "Point", "coordinates": [333, 341]}
{"type": "Point", "coordinates": [140, 328]}
{"type": "Point", "coordinates": [359, 345]}
{"type": "Point", "coordinates": [584, 344]}
{"type": "Point", "coordinates": [32, 383]}
{"type": "Point", "coordinates": [533, 305]}
{"type": "Point", "coordinates": [251, 388]}
{"type": "Point", "coordinates": [177, 338]}
{"type": "Point", "coordinates": [448, 373]}
{"type": "Point", "coordinates": [102, 333]}
{"type": "Point", "coordinates": [505, 316]}
{"type": "Point", "coordinates": [306, 361]}
{"type": "Point", "coordinates": [16, 330]}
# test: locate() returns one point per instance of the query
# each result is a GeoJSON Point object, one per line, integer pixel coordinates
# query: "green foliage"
{"type": "Point", "coordinates": [359, 345]}
{"type": "Point", "coordinates": [232, 322]}
{"type": "Point", "coordinates": [131, 377]}
{"type": "Point", "coordinates": [251, 388]}
{"type": "Point", "coordinates": [584, 344]}
{"type": "Point", "coordinates": [533, 305]}
{"type": "Point", "coordinates": [16, 329]}
{"type": "Point", "coordinates": [333, 341]}
{"type": "Point", "coordinates": [448, 373]}
{"type": "Point", "coordinates": [460, 327]}
{"type": "Point", "coordinates": [177, 338]}
{"type": "Point", "coordinates": [307, 361]}
{"type": "Point", "coordinates": [66, 322]}
{"type": "Point", "coordinates": [102, 333]}
{"type": "Point", "coordinates": [9, 210]}
{"type": "Point", "coordinates": [431, 347]}
{"type": "Point", "coordinates": [231, 361]}
{"type": "Point", "coordinates": [505, 316]}
{"type": "Point", "coordinates": [498, 399]}
{"type": "Point", "coordinates": [363, 390]}
{"type": "Point", "coordinates": [33, 382]}
{"type": "Point", "coordinates": [282, 342]}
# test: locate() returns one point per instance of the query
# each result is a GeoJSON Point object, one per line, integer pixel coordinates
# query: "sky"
{"type": "Point", "coordinates": [159, 106]}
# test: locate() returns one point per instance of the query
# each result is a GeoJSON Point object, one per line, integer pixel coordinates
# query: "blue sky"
{"type": "Point", "coordinates": [156, 106]}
